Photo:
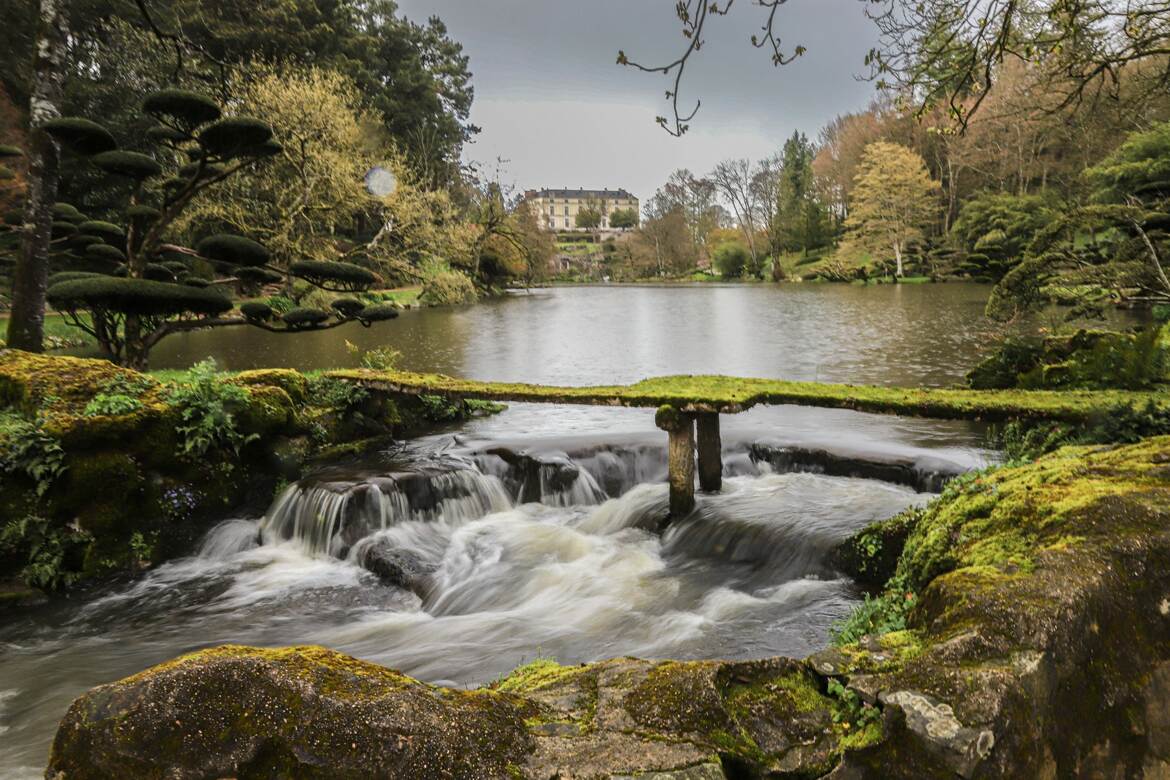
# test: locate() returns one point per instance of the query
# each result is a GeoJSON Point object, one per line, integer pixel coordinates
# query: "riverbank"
{"type": "Point", "coordinates": [1035, 645]}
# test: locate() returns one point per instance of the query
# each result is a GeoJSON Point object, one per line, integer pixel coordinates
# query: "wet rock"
{"type": "Point", "coordinates": [297, 712]}
{"type": "Point", "coordinates": [924, 476]}
{"type": "Point", "coordinates": [394, 566]}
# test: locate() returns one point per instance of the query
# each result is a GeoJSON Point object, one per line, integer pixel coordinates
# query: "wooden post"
{"type": "Point", "coordinates": [680, 459]}
{"type": "Point", "coordinates": [710, 452]}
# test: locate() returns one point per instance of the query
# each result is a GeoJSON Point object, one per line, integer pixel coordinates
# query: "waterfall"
{"type": "Point", "coordinates": [328, 518]}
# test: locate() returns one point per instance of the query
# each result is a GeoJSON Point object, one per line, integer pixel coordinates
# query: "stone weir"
{"type": "Point", "coordinates": [1023, 631]}
{"type": "Point", "coordinates": [689, 407]}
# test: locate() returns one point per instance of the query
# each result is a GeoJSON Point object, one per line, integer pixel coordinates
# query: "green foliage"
{"type": "Point", "coordinates": [281, 303]}
{"type": "Point", "coordinates": [234, 136]}
{"type": "Point", "coordinates": [1140, 166]}
{"type": "Point", "coordinates": [1085, 360]}
{"type": "Point", "coordinates": [183, 107]}
{"type": "Point", "coordinates": [877, 615]}
{"type": "Point", "coordinates": [257, 311]}
{"type": "Point", "coordinates": [1024, 441]}
{"type": "Point", "coordinates": [848, 708]}
{"type": "Point", "coordinates": [117, 396]}
{"type": "Point", "coordinates": [43, 550]}
{"type": "Point", "coordinates": [730, 259]}
{"type": "Point", "coordinates": [303, 317]}
{"type": "Point", "coordinates": [111, 404]}
{"type": "Point", "coordinates": [623, 218]}
{"type": "Point", "coordinates": [26, 449]}
{"type": "Point", "coordinates": [996, 228]}
{"type": "Point", "coordinates": [379, 359]}
{"type": "Point", "coordinates": [439, 409]}
{"type": "Point", "coordinates": [336, 394]}
{"type": "Point", "coordinates": [206, 407]}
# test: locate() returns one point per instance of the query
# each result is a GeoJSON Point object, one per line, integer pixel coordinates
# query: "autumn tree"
{"type": "Point", "coordinates": [298, 202]}
{"type": "Point", "coordinates": [894, 199]}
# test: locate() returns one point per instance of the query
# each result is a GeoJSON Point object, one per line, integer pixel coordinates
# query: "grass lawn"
{"type": "Point", "coordinates": [58, 333]}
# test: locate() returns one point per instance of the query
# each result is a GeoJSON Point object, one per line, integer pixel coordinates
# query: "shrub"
{"type": "Point", "coordinates": [730, 258]}
{"type": "Point", "coordinates": [447, 288]}
{"type": "Point", "coordinates": [111, 404]}
{"type": "Point", "coordinates": [83, 136]}
{"type": "Point", "coordinates": [189, 109]}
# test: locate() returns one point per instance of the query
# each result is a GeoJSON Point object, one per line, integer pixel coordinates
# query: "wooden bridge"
{"type": "Point", "coordinates": [688, 407]}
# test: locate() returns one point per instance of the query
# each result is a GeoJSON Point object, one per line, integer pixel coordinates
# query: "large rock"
{"type": "Point", "coordinates": [303, 712]}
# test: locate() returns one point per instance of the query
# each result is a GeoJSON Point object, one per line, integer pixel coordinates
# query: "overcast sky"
{"type": "Point", "coordinates": [553, 103]}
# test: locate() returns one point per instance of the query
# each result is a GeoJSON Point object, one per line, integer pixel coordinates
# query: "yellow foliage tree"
{"type": "Point", "coordinates": [893, 200]}
{"type": "Point", "coordinates": [298, 203]}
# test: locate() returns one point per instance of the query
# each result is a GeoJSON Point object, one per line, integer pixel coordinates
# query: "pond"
{"type": "Point", "coordinates": [480, 564]}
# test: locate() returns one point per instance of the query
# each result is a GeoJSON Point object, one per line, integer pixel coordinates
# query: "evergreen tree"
{"type": "Point", "coordinates": [800, 221]}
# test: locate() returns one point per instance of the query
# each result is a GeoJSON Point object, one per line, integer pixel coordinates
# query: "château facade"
{"type": "Point", "coordinates": [558, 209]}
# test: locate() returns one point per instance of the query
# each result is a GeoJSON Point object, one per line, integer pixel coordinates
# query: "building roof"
{"type": "Point", "coordinates": [582, 193]}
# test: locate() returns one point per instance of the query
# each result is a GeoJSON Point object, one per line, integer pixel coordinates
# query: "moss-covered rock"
{"type": "Point", "coordinates": [292, 382]}
{"type": "Point", "coordinates": [298, 712]}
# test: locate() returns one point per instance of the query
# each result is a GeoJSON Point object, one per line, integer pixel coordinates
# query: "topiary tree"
{"type": "Point", "coordinates": [137, 287]}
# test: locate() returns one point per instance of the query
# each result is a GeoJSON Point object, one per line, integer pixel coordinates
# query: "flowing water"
{"type": "Point", "coordinates": [536, 532]}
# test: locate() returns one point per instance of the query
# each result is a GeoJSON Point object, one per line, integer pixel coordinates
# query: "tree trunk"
{"type": "Point", "coordinates": [898, 259]}
{"type": "Point", "coordinates": [26, 327]}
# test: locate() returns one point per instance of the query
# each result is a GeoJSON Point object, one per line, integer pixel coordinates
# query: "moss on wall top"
{"type": "Point", "coordinates": [709, 393]}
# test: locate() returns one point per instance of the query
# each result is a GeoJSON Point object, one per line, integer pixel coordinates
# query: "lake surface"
{"type": "Point", "coordinates": [561, 559]}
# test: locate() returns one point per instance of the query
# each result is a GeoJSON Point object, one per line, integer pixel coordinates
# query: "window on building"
{"type": "Point", "coordinates": [567, 222]}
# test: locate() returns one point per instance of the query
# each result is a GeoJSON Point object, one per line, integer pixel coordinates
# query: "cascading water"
{"type": "Point", "coordinates": [460, 559]}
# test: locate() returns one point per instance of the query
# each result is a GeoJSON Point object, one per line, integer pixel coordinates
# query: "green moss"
{"type": "Point", "coordinates": [734, 394]}
{"type": "Point", "coordinates": [537, 674]}
{"type": "Point", "coordinates": [292, 382]}
{"type": "Point", "coordinates": [857, 738]}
